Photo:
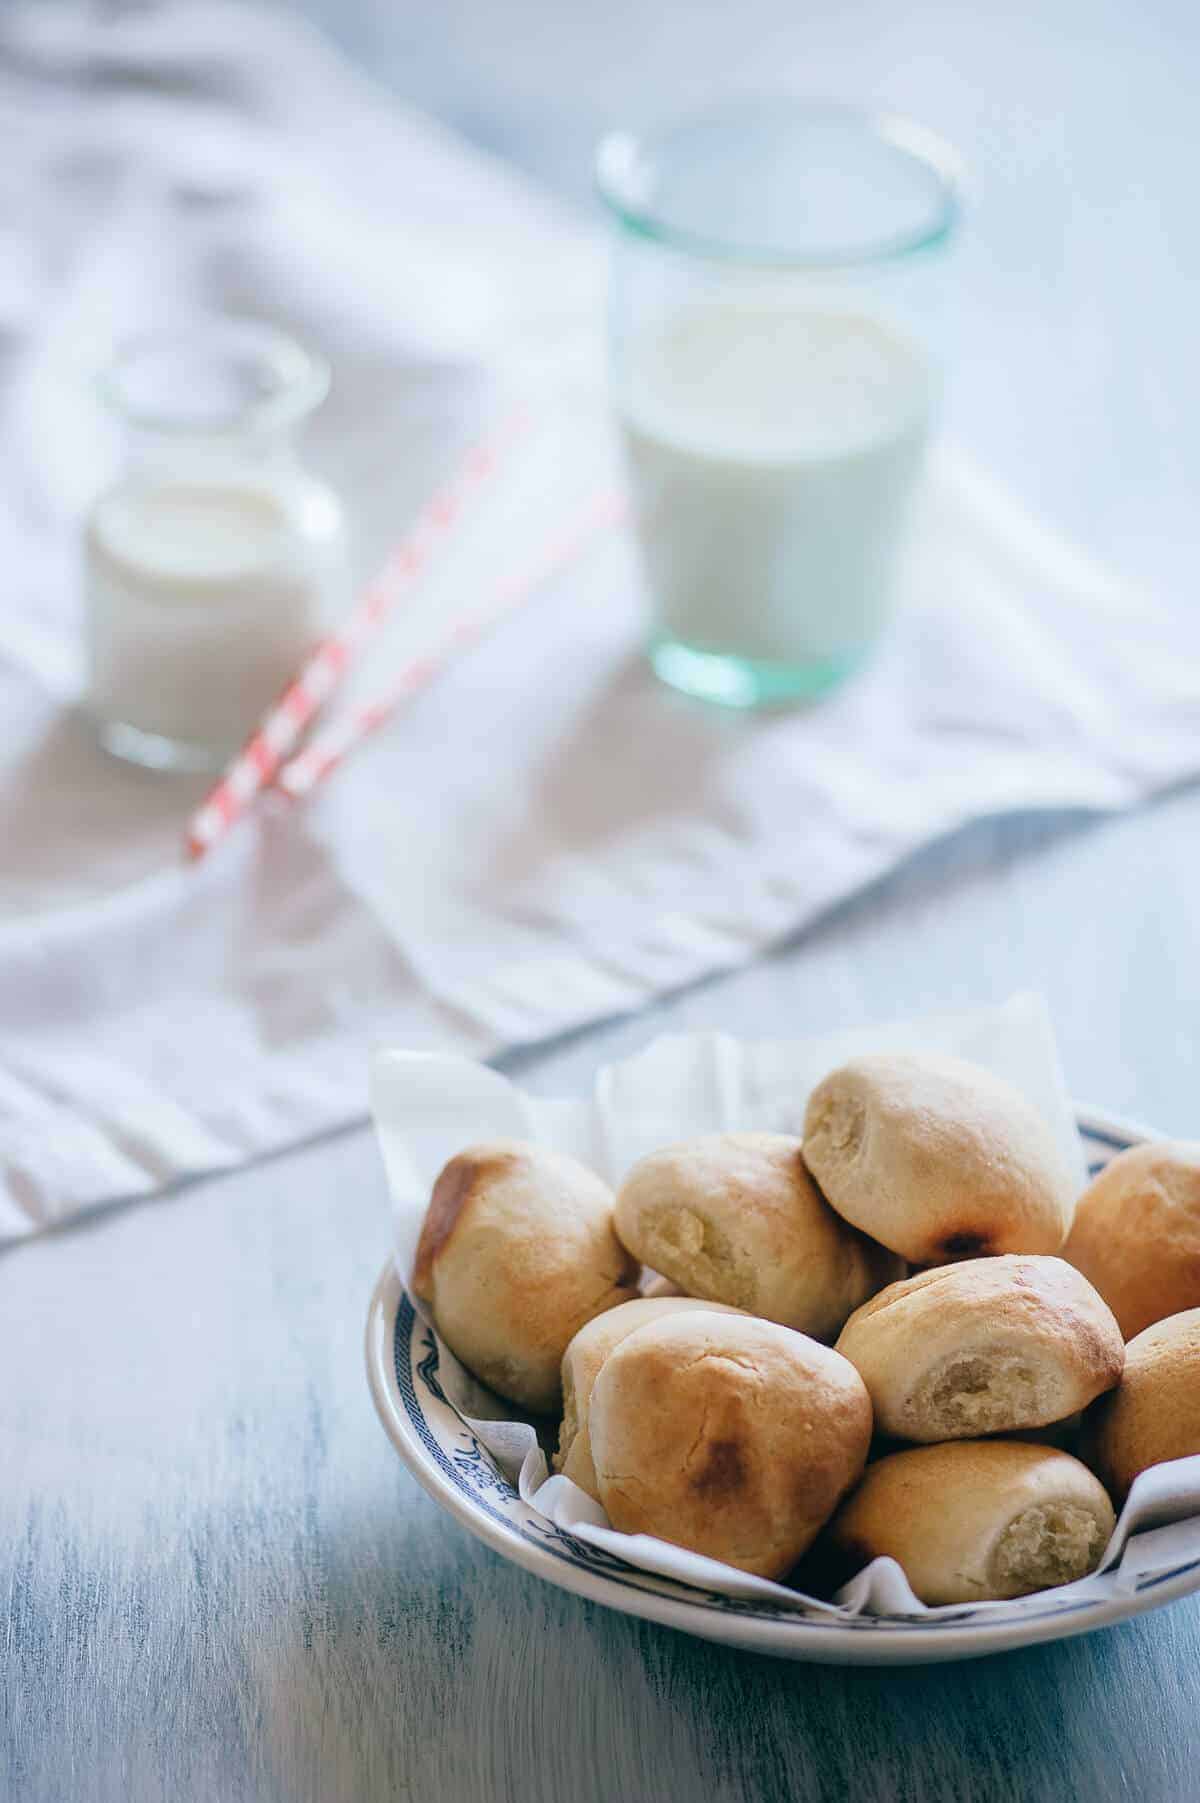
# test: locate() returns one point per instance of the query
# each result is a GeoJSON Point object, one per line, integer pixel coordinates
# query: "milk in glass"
{"type": "Point", "coordinates": [205, 594]}
{"type": "Point", "coordinates": [773, 453]}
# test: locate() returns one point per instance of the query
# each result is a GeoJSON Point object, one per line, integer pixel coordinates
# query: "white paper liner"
{"type": "Point", "coordinates": [428, 1106]}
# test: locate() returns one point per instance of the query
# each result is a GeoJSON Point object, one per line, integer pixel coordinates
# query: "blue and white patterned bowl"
{"type": "Point", "coordinates": [447, 1459]}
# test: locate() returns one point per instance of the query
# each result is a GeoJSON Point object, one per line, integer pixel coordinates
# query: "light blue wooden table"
{"type": "Point", "coordinates": [217, 1581]}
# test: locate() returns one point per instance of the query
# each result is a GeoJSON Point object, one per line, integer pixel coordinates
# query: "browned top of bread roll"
{"type": "Point", "coordinates": [1136, 1234]}
{"type": "Point", "coordinates": [736, 1218]}
{"type": "Point", "coordinates": [1154, 1414]}
{"type": "Point", "coordinates": [977, 1520]}
{"type": "Point", "coordinates": [987, 1346]}
{"type": "Point", "coordinates": [581, 1365]}
{"type": "Point", "coordinates": [728, 1435]}
{"type": "Point", "coordinates": [517, 1252]}
{"type": "Point", "coordinates": [937, 1158]}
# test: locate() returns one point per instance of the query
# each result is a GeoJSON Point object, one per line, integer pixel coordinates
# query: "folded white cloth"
{"type": "Point", "coordinates": [544, 837]}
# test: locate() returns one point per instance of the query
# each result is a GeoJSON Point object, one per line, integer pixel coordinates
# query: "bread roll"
{"type": "Point", "coordinates": [517, 1251]}
{"type": "Point", "coordinates": [977, 1520]}
{"type": "Point", "coordinates": [581, 1366]}
{"type": "Point", "coordinates": [1154, 1414]}
{"type": "Point", "coordinates": [735, 1217]}
{"type": "Point", "coordinates": [987, 1346]}
{"type": "Point", "coordinates": [728, 1435]}
{"type": "Point", "coordinates": [937, 1159]}
{"type": "Point", "coordinates": [1136, 1234]}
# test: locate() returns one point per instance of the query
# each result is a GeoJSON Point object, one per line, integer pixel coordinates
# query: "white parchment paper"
{"type": "Point", "coordinates": [428, 1106]}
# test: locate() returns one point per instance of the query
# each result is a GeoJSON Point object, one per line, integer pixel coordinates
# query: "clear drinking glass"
{"type": "Point", "coordinates": [215, 559]}
{"type": "Point", "coordinates": [778, 274]}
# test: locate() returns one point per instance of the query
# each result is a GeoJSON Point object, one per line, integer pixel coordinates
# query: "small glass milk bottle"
{"type": "Point", "coordinates": [215, 560]}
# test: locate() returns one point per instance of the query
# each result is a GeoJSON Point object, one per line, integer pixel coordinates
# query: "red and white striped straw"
{"type": "Point", "coordinates": [256, 765]}
{"type": "Point", "coordinates": [330, 747]}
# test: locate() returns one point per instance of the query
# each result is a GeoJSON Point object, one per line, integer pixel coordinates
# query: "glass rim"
{"type": "Point", "coordinates": [619, 152]}
{"type": "Point", "coordinates": [303, 378]}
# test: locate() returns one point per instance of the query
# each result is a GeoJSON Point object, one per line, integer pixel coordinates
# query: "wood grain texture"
{"type": "Point", "coordinates": [217, 1581]}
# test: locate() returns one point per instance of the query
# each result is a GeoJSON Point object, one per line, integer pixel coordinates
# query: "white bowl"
{"type": "Point", "coordinates": [448, 1460]}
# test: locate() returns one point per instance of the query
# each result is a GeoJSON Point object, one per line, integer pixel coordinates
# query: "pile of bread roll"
{"type": "Point", "coordinates": [902, 1334]}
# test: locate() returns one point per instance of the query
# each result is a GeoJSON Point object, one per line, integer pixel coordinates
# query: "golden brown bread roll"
{"type": "Point", "coordinates": [728, 1435]}
{"type": "Point", "coordinates": [735, 1217]}
{"type": "Point", "coordinates": [1136, 1233]}
{"type": "Point", "coordinates": [986, 1346]}
{"type": "Point", "coordinates": [937, 1158]}
{"type": "Point", "coordinates": [976, 1520]}
{"type": "Point", "coordinates": [517, 1251]}
{"type": "Point", "coordinates": [581, 1367]}
{"type": "Point", "coordinates": [1154, 1414]}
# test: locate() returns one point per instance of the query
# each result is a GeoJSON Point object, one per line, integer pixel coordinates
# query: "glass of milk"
{"type": "Point", "coordinates": [214, 561]}
{"type": "Point", "coordinates": [777, 279]}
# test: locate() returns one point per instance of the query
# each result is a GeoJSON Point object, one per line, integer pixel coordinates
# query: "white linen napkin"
{"type": "Point", "coordinates": [427, 1107]}
{"type": "Point", "coordinates": [544, 837]}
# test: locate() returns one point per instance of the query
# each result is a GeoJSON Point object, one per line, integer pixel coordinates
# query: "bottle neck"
{"type": "Point", "coordinates": [207, 458]}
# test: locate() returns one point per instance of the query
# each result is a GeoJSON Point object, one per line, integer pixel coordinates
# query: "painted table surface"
{"type": "Point", "coordinates": [217, 1580]}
